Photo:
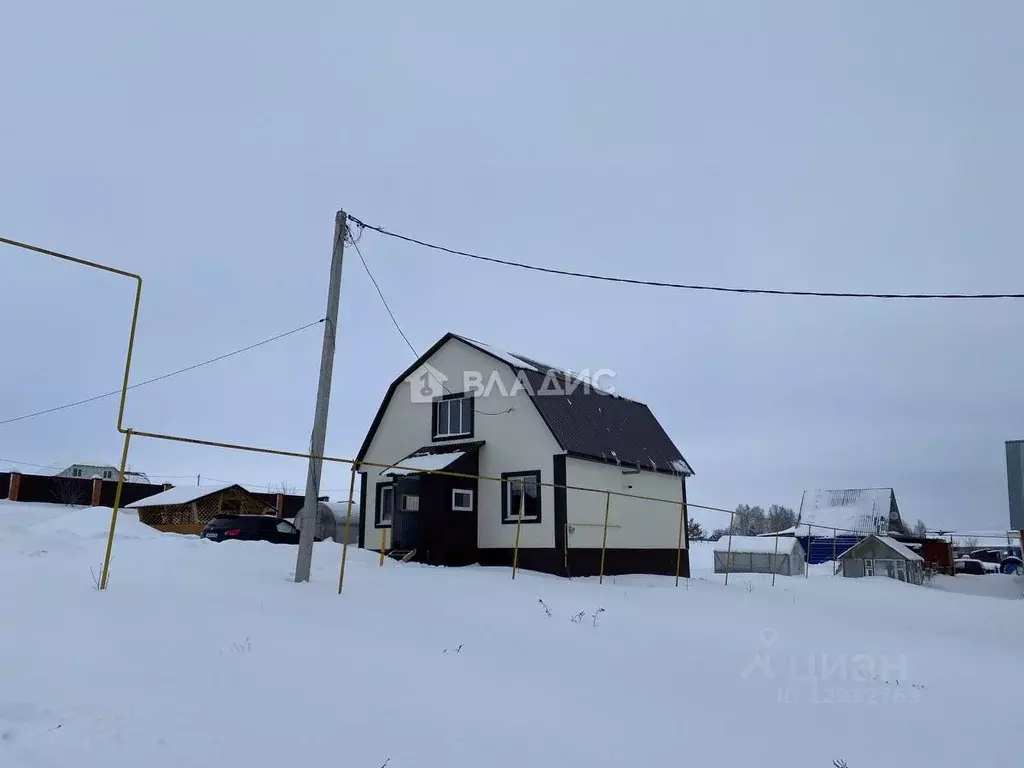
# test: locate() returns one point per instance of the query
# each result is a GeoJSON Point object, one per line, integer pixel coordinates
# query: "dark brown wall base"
{"type": "Point", "coordinates": [587, 562]}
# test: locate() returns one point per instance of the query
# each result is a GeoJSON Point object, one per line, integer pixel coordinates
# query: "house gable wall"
{"type": "Point", "coordinates": [515, 441]}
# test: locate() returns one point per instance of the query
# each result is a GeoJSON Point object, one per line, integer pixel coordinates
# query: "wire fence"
{"type": "Point", "coordinates": [596, 531]}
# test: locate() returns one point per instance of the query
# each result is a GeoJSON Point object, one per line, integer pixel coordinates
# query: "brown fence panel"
{"type": "Point", "coordinates": [130, 492]}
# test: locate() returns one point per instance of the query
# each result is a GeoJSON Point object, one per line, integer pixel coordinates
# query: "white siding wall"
{"type": "Point", "coordinates": [517, 441]}
{"type": "Point", "coordinates": [638, 524]}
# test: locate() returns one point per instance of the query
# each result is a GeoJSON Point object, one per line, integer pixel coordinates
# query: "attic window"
{"type": "Point", "coordinates": [453, 417]}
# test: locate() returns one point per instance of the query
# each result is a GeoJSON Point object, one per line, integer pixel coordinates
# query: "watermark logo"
{"type": "Point", "coordinates": [426, 383]}
{"type": "Point", "coordinates": [869, 679]}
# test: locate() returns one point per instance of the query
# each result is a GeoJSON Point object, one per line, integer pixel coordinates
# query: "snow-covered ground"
{"type": "Point", "coordinates": [203, 654]}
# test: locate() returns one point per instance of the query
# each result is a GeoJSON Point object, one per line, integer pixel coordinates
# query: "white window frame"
{"type": "Point", "coordinates": [444, 428]}
{"type": "Point", "coordinates": [108, 474]}
{"type": "Point", "coordinates": [408, 505]}
{"type": "Point", "coordinates": [468, 506]}
{"type": "Point", "coordinates": [869, 566]}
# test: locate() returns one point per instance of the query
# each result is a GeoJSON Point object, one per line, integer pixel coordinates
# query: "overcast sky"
{"type": "Point", "coordinates": [805, 145]}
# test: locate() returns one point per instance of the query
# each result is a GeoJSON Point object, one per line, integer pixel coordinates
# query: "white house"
{"type": "Point", "coordinates": [467, 408]}
{"type": "Point", "coordinates": [102, 471]}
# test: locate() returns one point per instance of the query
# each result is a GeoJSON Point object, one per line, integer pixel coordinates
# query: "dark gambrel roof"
{"type": "Point", "coordinates": [585, 421]}
{"type": "Point", "coordinates": [592, 424]}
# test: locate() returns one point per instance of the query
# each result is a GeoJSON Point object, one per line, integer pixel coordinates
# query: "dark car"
{"type": "Point", "coordinates": [1007, 560]}
{"type": "Point", "coordinates": [251, 528]}
{"type": "Point", "coordinates": [971, 566]}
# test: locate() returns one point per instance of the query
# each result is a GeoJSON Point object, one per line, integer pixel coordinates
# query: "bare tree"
{"type": "Point", "coordinates": [920, 529]}
{"type": "Point", "coordinates": [780, 518]}
{"type": "Point", "coordinates": [68, 491]}
{"type": "Point", "coordinates": [287, 488]}
{"type": "Point", "coordinates": [971, 542]}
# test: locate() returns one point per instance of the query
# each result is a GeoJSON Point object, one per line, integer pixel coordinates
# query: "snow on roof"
{"type": "Point", "coordinates": [862, 510]}
{"type": "Point", "coordinates": [529, 364]}
{"type": "Point", "coordinates": [514, 360]}
{"type": "Point", "coordinates": [758, 545]}
{"type": "Point", "coordinates": [183, 494]}
{"type": "Point", "coordinates": [424, 462]}
{"type": "Point", "coordinates": [896, 546]}
{"type": "Point", "coordinates": [900, 547]}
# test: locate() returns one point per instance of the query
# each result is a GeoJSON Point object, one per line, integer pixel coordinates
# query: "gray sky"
{"type": "Point", "coordinates": [809, 145]}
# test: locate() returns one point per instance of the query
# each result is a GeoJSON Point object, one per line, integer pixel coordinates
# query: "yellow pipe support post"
{"type": "Point", "coordinates": [348, 524]}
{"type": "Point", "coordinates": [775, 560]}
{"type": "Point", "coordinates": [519, 526]}
{"type": "Point", "coordinates": [834, 533]}
{"type": "Point", "coordinates": [728, 550]}
{"type": "Point", "coordinates": [384, 542]}
{"type": "Point", "coordinates": [679, 544]}
{"type": "Point", "coordinates": [604, 535]}
{"type": "Point", "coordinates": [124, 384]}
{"type": "Point", "coordinates": [565, 549]}
{"type": "Point", "coordinates": [105, 571]}
{"type": "Point", "coordinates": [127, 435]}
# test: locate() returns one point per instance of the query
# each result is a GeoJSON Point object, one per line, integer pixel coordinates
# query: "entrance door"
{"type": "Point", "coordinates": [407, 527]}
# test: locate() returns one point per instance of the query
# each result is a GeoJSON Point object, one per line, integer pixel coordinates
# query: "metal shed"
{"type": "Point", "coordinates": [330, 522]}
{"type": "Point", "coordinates": [783, 555]}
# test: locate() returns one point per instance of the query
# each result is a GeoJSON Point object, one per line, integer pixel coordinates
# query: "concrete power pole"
{"type": "Point", "coordinates": [308, 515]}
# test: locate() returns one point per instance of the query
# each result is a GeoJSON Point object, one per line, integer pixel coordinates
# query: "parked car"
{"type": "Point", "coordinates": [1006, 560]}
{"type": "Point", "coordinates": [972, 566]}
{"type": "Point", "coordinates": [251, 528]}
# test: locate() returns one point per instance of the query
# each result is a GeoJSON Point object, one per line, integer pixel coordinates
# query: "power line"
{"type": "Point", "coordinates": [354, 241]}
{"type": "Point", "coordinates": [162, 376]}
{"type": "Point", "coordinates": [682, 286]}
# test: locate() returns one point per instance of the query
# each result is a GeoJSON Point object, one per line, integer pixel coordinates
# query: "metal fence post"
{"type": "Point", "coordinates": [519, 526]}
{"type": "Point", "coordinates": [834, 534]}
{"type": "Point", "coordinates": [604, 535]}
{"type": "Point", "coordinates": [728, 551]}
{"type": "Point", "coordinates": [775, 560]}
{"type": "Point", "coordinates": [679, 543]}
{"type": "Point", "coordinates": [807, 569]}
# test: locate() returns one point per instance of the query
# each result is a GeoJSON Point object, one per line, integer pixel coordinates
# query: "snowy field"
{"type": "Point", "coordinates": [204, 654]}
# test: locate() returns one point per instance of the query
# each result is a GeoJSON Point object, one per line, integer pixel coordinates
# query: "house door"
{"type": "Point", "coordinates": [408, 524]}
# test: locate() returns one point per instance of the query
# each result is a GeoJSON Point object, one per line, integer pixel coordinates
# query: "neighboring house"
{"type": "Point", "coordinates": [783, 555]}
{"type": "Point", "coordinates": [465, 407]}
{"type": "Point", "coordinates": [186, 509]}
{"type": "Point", "coordinates": [102, 471]}
{"type": "Point", "coordinates": [883, 556]}
{"type": "Point", "coordinates": [850, 511]}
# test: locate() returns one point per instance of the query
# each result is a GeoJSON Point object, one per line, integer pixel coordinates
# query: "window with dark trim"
{"type": "Point", "coordinates": [452, 417]}
{"type": "Point", "coordinates": [522, 488]}
{"type": "Point", "coordinates": [384, 511]}
{"type": "Point", "coordinates": [410, 502]}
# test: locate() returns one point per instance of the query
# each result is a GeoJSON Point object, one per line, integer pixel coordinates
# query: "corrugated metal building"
{"type": "Point", "coordinates": [1015, 482]}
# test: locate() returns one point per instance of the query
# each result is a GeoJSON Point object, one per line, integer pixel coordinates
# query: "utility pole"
{"type": "Point", "coordinates": [308, 515]}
